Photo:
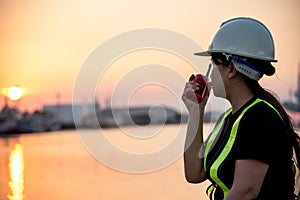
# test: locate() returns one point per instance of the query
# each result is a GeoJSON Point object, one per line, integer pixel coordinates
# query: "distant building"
{"type": "Point", "coordinates": [64, 112]}
{"type": "Point", "coordinates": [139, 116]}
{"type": "Point", "coordinates": [293, 108]}
{"type": "Point", "coordinates": [90, 115]}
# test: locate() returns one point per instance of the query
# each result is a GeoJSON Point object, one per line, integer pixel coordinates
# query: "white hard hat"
{"type": "Point", "coordinates": [244, 37]}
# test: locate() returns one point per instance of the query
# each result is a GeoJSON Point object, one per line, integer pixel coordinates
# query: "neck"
{"type": "Point", "coordinates": [239, 97]}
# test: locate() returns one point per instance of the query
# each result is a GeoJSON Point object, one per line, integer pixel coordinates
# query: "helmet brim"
{"type": "Point", "coordinates": [203, 53]}
{"type": "Point", "coordinates": [209, 52]}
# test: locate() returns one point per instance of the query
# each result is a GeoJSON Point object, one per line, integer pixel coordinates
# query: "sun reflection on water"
{"type": "Point", "coordinates": [16, 171]}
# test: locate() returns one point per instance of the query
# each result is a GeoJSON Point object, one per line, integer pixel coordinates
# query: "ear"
{"type": "Point", "coordinates": [231, 70]}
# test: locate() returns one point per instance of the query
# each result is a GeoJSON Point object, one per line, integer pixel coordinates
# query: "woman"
{"type": "Point", "coordinates": [249, 154]}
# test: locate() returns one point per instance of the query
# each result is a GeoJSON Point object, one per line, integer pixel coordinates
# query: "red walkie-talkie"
{"type": "Point", "coordinates": [202, 85]}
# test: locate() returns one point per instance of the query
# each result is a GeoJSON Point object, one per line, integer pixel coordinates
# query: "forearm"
{"type": "Point", "coordinates": [237, 195]}
{"type": "Point", "coordinates": [248, 179]}
{"type": "Point", "coordinates": [194, 171]}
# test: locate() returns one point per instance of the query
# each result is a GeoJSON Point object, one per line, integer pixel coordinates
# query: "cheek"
{"type": "Point", "coordinates": [215, 75]}
{"type": "Point", "coordinates": [217, 83]}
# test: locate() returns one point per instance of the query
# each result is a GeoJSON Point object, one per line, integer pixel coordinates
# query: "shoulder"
{"type": "Point", "coordinates": [260, 133]}
{"type": "Point", "coordinates": [262, 114]}
{"type": "Point", "coordinates": [263, 121]}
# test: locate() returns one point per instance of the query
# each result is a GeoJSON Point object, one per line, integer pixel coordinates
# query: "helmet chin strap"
{"type": "Point", "coordinates": [244, 67]}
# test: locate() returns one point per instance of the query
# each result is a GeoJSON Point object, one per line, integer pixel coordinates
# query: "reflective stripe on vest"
{"type": "Point", "coordinates": [227, 148]}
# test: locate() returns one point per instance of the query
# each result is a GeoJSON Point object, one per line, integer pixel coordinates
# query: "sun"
{"type": "Point", "coordinates": [14, 93]}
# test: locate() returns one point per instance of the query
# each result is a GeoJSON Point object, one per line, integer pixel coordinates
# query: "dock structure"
{"type": "Point", "coordinates": [293, 107]}
{"type": "Point", "coordinates": [92, 116]}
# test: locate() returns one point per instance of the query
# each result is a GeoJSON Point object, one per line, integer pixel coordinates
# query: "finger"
{"type": "Point", "coordinates": [189, 86]}
{"type": "Point", "coordinates": [194, 85]}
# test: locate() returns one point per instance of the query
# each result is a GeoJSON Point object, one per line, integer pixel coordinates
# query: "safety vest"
{"type": "Point", "coordinates": [213, 172]}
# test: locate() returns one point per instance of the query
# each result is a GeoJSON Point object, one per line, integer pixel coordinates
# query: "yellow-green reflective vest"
{"type": "Point", "coordinates": [213, 172]}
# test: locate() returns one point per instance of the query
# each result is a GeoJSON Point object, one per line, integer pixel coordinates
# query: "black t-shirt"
{"type": "Point", "coordinates": [262, 136]}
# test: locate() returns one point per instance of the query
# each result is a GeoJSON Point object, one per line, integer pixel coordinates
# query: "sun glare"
{"type": "Point", "coordinates": [14, 93]}
{"type": "Point", "coordinates": [16, 171]}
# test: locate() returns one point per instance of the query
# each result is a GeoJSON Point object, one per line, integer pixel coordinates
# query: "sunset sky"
{"type": "Point", "coordinates": [45, 42]}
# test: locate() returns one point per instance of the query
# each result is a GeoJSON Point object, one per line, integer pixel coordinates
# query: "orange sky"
{"type": "Point", "coordinates": [44, 43]}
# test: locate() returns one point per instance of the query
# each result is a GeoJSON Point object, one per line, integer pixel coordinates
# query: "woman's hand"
{"type": "Point", "coordinates": [189, 96]}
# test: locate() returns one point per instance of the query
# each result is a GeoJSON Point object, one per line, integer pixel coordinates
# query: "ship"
{"type": "Point", "coordinates": [291, 106]}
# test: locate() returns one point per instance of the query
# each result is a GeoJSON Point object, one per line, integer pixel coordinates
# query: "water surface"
{"type": "Point", "coordinates": [56, 165]}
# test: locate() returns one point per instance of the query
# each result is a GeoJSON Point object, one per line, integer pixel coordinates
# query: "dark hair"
{"type": "Point", "coordinates": [262, 65]}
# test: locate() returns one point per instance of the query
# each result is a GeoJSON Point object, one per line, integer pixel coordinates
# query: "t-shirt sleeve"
{"type": "Point", "coordinates": [259, 134]}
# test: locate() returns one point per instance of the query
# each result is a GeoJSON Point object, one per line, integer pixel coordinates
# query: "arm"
{"type": "Point", "coordinates": [193, 164]}
{"type": "Point", "coordinates": [248, 179]}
